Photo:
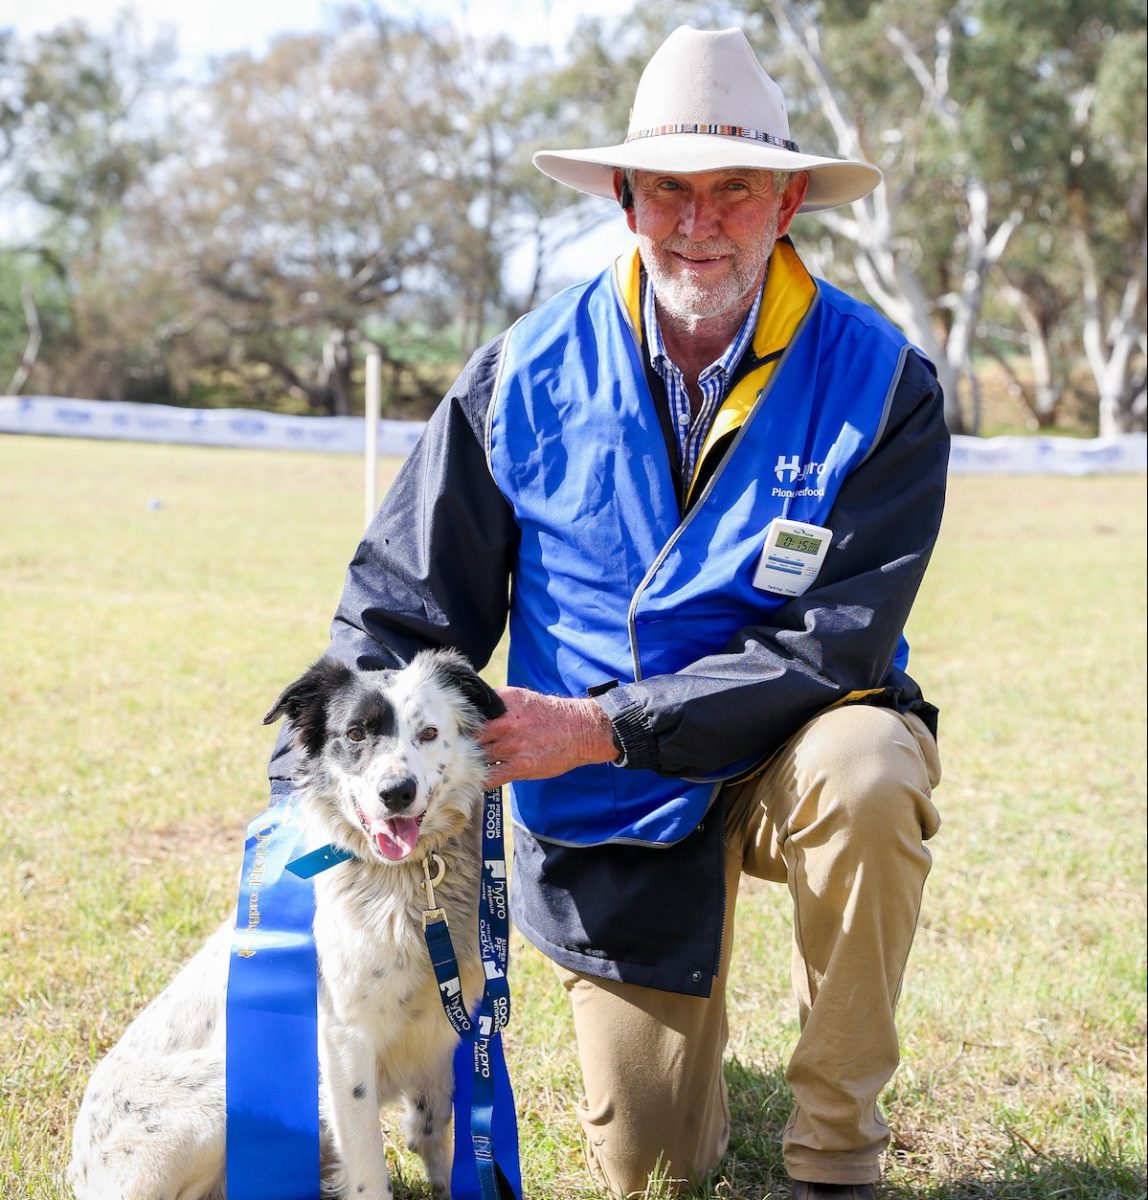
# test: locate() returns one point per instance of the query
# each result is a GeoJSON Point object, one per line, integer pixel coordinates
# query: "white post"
{"type": "Point", "coordinates": [371, 409]}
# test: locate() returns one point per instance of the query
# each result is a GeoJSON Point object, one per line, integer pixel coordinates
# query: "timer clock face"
{"type": "Point", "coordinates": [798, 544]}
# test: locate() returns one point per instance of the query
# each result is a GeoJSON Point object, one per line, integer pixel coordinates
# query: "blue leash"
{"type": "Point", "coordinates": [265, 1072]}
{"type": "Point", "coordinates": [482, 1082]}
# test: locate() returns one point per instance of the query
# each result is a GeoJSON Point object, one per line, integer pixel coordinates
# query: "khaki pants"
{"type": "Point", "coordinates": [840, 815]}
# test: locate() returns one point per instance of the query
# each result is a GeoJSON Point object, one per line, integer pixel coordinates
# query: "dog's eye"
{"type": "Point", "coordinates": [428, 734]}
{"type": "Point", "coordinates": [355, 733]}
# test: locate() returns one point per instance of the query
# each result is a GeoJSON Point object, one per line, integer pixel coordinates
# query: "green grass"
{"type": "Point", "coordinates": [140, 646]}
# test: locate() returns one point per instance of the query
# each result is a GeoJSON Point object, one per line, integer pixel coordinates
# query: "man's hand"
{"type": "Point", "coordinates": [541, 736]}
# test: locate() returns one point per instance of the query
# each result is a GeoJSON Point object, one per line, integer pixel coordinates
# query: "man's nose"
{"type": "Point", "coordinates": [699, 217]}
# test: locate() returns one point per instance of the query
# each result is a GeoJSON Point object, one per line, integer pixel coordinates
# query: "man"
{"type": "Point", "coordinates": [704, 487]}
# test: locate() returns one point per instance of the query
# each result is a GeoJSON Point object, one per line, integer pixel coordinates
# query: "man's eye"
{"type": "Point", "coordinates": [355, 733]}
{"type": "Point", "coordinates": [428, 734]}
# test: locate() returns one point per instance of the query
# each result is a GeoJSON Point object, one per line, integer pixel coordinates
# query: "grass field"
{"type": "Point", "coordinates": [154, 599]}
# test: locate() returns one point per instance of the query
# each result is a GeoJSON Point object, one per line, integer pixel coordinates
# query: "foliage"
{"type": "Point", "coordinates": [348, 169]}
{"type": "Point", "coordinates": [144, 628]}
{"type": "Point", "coordinates": [80, 131]}
{"type": "Point", "coordinates": [241, 240]}
{"type": "Point", "coordinates": [993, 125]}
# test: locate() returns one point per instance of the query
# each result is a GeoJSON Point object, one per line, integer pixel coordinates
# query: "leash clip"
{"type": "Point", "coordinates": [432, 912]}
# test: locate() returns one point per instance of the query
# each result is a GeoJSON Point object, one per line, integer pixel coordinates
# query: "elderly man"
{"type": "Point", "coordinates": [704, 488]}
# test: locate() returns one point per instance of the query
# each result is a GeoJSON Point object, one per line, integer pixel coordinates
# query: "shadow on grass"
{"type": "Point", "coordinates": [1045, 1177]}
{"type": "Point", "coordinates": [760, 1105]}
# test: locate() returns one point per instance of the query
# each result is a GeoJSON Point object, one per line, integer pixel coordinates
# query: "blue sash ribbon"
{"type": "Point", "coordinates": [272, 1073]}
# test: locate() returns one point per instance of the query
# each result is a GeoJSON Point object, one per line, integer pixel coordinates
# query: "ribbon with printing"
{"type": "Point", "coordinates": [486, 1167]}
{"type": "Point", "coordinates": [272, 1030]}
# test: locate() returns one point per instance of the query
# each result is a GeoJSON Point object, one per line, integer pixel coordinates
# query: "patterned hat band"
{"type": "Point", "coordinates": [739, 131]}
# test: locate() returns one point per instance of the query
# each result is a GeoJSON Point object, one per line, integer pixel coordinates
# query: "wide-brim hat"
{"type": "Point", "coordinates": [704, 103]}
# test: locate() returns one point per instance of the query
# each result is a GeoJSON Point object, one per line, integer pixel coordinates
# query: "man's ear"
{"type": "Point", "coordinates": [625, 197]}
{"type": "Point", "coordinates": [622, 190]}
{"type": "Point", "coordinates": [791, 200]}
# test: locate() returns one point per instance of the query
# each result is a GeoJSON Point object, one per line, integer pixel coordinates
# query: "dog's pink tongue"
{"type": "Point", "coordinates": [395, 837]}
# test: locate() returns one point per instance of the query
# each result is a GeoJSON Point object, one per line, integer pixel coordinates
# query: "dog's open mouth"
{"type": "Point", "coordinates": [393, 837]}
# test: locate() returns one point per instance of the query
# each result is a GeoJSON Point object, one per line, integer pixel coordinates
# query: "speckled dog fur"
{"type": "Point", "coordinates": [373, 745]}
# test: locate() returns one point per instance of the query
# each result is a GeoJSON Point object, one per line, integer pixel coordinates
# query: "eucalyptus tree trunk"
{"type": "Point", "coordinates": [31, 346]}
{"type": "Point", "coordinates": [883, 259]}
{"type": "Point", "coordinates": [1110, 343]}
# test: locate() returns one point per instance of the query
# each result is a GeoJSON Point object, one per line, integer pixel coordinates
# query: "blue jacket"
{"type": "Point", "coordinates": [611, 582]}
{"type": "Point", "coordinates": [441, 560]}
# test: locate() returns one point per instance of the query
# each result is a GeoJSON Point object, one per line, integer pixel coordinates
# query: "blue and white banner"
{"type": "Point", "coordinates": [238, 427]}
{"type": "Point", "coordinates": [235, 427]}
{"type": "Point", "coordinates": [1124, 454]}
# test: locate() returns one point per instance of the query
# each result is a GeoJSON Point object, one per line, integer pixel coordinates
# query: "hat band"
{"type": "Point", "coordinates": [739, 131]}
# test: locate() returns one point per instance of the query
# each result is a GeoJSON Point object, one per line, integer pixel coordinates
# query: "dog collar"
{"type": "Point", "coordinates": [315, 862]}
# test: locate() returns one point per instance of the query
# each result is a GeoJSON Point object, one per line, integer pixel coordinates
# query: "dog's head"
{"type": "Point", "coordinates": [389, 757]}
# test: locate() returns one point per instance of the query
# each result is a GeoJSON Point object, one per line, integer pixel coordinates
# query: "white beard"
{"type": "Point", "coordinates": [686, 298]}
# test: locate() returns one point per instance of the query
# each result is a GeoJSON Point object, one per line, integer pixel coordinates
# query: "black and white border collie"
{"type": "Point", "coordinates": [391, 773]}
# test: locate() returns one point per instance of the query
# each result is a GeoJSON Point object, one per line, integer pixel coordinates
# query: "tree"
{"type": "Point", "coordinates": [983, 116]}
{"type": "Point", "coordinates": [882, 79]}
{"type": "Point", "coordinates": [303, 211]}
{"type": "Point", "coordinates": [75, 139]}
{"type": "Point", "coordinates": [369, 183]}
{"type": "Point", "coordinates": [1106, 213]}
{"type": "Point", "coordinates": [355, 188]}
{"type": "Point", "coordinates": [1076, 281]}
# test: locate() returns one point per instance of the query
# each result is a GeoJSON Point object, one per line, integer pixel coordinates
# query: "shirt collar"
{"type": "Point", "coordinates": [725, 363]}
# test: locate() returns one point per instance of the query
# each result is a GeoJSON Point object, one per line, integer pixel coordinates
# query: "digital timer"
{"type": "Point", "coordinates": [791, 557]}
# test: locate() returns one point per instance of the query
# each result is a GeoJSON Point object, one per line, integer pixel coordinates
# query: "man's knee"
{"type": "Point", "coordinates": [655, 1125]}
{"type": "Point", "coordinates": [866, 771]}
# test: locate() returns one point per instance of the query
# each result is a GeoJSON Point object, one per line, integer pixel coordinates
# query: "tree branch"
{"type": "Point", "coordinates": [31, 346]}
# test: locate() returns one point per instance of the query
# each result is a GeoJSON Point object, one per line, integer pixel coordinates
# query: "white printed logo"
{"type": "Point", "coordinates": [793, 471]}
{"type": "Point", "coordinates": [792, 464]}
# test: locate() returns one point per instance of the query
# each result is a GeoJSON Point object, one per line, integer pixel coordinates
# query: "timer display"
{"type": "Point", "coordinates": [797, 543]}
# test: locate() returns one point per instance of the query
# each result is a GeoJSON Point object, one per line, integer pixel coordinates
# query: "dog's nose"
{"type": "Point", "coordinates": [398, 794]}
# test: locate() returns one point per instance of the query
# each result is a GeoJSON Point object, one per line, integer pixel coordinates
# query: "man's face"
{"type": "Point", "coordinates": [705, 238]}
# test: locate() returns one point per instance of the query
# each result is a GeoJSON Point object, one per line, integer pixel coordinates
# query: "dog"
{"type": "Point", "coordinates": [391, 773]}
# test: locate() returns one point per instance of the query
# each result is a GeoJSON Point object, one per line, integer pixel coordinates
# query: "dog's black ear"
{"type": "Point", "coordinates": [456, 671]}
{"type": "Point", "coordinates": [304, 702]}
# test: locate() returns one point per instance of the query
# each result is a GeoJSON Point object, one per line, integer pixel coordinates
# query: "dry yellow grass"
{"type": "Point", "coordinates": [139, 647]}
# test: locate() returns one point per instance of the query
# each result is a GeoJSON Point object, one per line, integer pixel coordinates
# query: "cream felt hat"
{"type": "Point", "coordinates": [704, 103]}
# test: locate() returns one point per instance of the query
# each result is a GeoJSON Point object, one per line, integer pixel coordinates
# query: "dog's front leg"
{"type": "Point", "coordinates": [427, 1126]}
{"type": "Point", "coordinates": [350, 1109]}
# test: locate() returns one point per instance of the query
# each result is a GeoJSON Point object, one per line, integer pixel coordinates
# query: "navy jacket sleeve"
{"type": "Point", "coordinates": [839, 638]}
